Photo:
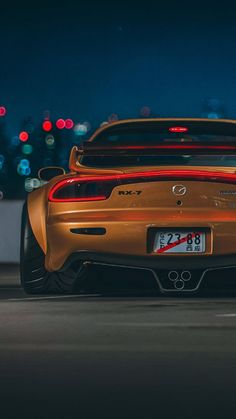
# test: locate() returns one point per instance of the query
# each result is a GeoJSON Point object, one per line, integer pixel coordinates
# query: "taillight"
{"type": "Point", "coordinates": [99, 188]}
{"type": "Point", "coordinates": [82, 189]}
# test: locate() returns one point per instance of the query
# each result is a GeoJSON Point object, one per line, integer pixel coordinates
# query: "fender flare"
{"type": "Point", "coordinates": [37, 211]}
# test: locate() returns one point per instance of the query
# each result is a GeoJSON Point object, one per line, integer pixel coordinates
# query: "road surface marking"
{"type": "Point", "coordinates": [54, 297]}
{"type": "Point", "coordinates": [226, 315]}
{"type": "Point", "coordinates": [131, 348]}
{"type": "Point", "coordinates": [180, 325]}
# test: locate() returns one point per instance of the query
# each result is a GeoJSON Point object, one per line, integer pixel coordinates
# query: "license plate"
{"type": "Point", "coordinates": [180, 242]}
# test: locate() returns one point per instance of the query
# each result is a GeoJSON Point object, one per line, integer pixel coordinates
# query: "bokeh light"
{"type": "Point", "coordinates": [24, 163]}
{"type": "Point", "coordinates": [3, 111]}
{"type": "Point", "coordinates": [50, 141]}
{"type": "Point", "coordinates": [28, 185]}
{"type": "Point", "coordinates": [103, 124]}
{"type": "Point", "coordinates": [35, 183]}
{"type": "Point", "coordinates": [27, 149]}
{"type": "Point", "coordinates": [23, 136]}
{"type": "Point", "coordinates": [47, 126]}
{"type": "Point", "coordinates": [23, 171]}
{"type": "Point", "coordinates": [69, 123]}
{"type": "Point", "coordinates": [60, 123]}
{"type": "Point", "coordinates": [213, 115]}
{"type": "Point", "coordinates": [80, 129]}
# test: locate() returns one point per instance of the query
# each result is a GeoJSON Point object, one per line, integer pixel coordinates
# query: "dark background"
{"type": "Point", "coordinates": [89, 60]}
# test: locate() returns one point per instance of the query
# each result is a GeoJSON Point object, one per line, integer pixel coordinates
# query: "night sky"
{"type": "Point", "coordinates": [88, 60]}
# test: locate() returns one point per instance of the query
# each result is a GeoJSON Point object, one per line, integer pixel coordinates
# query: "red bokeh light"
{"type": "Point", "coordinates": [60, 123]}
{"type": "Point", "coordinates": [3, 111]}
{"type": "Point", "coordinates": [69, 123]}
{"type": "Point", "coordinates": [47, 126]}
{"type": "Point", "coordinates": [23, 136]}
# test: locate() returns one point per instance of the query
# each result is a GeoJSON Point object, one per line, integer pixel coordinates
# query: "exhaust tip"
{"type": "Point", "coordinates": [179, 284]}
{"type": "Point", "coordinates": [173, 275]}
{"type": "Point", "coordinates": [186, 275]}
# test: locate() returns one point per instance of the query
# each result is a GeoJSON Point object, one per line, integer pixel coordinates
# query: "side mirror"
{"type": "Point", "coordinates": [48, 173]}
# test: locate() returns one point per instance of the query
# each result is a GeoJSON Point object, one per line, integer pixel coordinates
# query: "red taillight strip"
{"type": "Point", "coordinates": [201, 175]}
{"type": "Point", "coordinates": [89, 198]}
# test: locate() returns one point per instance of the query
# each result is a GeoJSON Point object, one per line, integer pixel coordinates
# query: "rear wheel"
{"type": "Point", "coordinates": [35, 279]}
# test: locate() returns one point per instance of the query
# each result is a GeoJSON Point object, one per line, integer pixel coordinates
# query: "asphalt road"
{"type": "Point", "coordinates": [115, 357]}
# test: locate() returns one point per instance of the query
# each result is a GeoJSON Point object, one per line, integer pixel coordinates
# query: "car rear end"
{"type": "Point", "coordinates": [160, 200]}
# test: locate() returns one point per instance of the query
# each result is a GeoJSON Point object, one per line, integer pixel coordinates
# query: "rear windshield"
{"type": "Point", "coordinates": [125, 161]}
{"type": "Point", "coordinates": [147, 133]}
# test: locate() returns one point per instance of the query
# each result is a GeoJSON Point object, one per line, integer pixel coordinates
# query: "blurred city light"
{"type": "Point", "coordinates": [3, 111]}
{"type": "Point", "coordinates": [23, 171]}
{"type": "Point", "coordinates": [69, 123]}
{"type": "Point", "coordinates": [60, 123]}
{"type": "Point", "coordinates": [35, 183]}
{"type": "Point", "coordinates": [28, 185]}
{"type": "Point", "coordinates": [50, 141]}
{"type": "Point", "coordinates": [213, 115]}
{"type": "Point", "coordinates": [24, 163]}
{"type": "Point", "coordinates": [32, 183]}
{"type": "Point", "coordinates": [23, 136]}
{"type": "Point", "coordinates": [47, 126]}
{"type": "Point", "coordinates": [27, 149]}
{"type": "Point", "coordinates": [103, 124]}
{"type": "Point", "coordinates": [80, 129]}
{"type": "Point", "coordinates": [213, 108]}
{"type": "Point", "coordinates": [27, 171]}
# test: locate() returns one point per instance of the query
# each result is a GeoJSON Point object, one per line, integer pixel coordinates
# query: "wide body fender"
{"type": "Point", "coordinates": [37, 210]}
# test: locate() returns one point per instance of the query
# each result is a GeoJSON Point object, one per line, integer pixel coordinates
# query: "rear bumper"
{"type": "Point", "coordinates": [165, 262]}
{"type": "Point", "coordinates": [190, 275]}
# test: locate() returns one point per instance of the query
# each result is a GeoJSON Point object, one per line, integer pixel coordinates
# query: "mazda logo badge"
{"type": "Point", "coordinates": [179, 190]}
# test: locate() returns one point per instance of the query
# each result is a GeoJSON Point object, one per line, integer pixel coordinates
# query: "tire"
{"type": "Point", "coordinates": [35, 279]}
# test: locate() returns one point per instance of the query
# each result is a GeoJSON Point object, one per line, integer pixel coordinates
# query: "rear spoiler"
{"type": "Point", "coordinates": [89, 149]}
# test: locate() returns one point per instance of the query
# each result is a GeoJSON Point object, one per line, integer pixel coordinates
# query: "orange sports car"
{"type": "Point", "coordinates": [151, 197]}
